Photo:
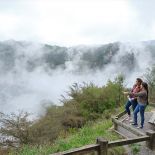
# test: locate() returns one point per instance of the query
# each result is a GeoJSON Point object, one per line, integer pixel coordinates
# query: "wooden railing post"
{"type": "Point", "coordinates": [103, 148]}
{"type": "Point", "coordinates": [151, 142]}
{"type": "Point", "coordinates": [115, 124]}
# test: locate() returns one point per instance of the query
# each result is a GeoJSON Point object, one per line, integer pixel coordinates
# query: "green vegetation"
{"type": "Point", "coordinates": [64, 127]}
{"type": "Point", "coordinates": [150, 78]}
{"type": "Point", "coordinates": [75, 138]}
{"type": "Point", "coordinates": [149, 108]}
{"type": "Point", "coordinates": [83, 116]}
{"type": "Point", "coordinates": [135, 148]}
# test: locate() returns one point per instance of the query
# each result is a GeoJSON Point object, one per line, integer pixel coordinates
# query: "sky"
{"type": "Point", "coordinates": [74, 22]}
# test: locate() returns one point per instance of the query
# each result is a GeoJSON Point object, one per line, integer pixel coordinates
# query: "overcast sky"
{"type": "Point", "coordinates": [73, 22]}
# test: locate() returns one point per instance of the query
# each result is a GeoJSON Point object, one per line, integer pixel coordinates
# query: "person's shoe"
{"type": "Point", "coordinates": [134, 124]}
{"type": "Point", "coordinates": [139, 127]}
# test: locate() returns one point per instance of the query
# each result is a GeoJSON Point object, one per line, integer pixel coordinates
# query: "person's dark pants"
{"type": "Point", "coordinates": [134, 104]}
{"type": "Point", "coordinates": [140, 108]}
{"type": "Point", "coordinates": [128, 104]}
{"type": "Point", "coordinates": [127, 107]}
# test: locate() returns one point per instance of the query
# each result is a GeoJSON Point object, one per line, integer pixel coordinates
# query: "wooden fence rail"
{"type": "Point", "coordinates": [128, 141]}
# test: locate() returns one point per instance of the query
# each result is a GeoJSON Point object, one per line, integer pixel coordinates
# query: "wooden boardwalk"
{"type": "Point", "coordinates": [147, 125]}
{"type": "Point", "coordinates": [124, 127]}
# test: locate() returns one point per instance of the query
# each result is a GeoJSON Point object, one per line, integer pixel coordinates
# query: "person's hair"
{"type": "Point", "coordinates": [145, 85]}
{"type": "Point", "coordinates": [139, 80]}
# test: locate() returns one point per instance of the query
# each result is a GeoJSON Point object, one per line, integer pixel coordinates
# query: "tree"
{"type": "Point", "coordinates": [15, 129]}
{"type": "Point", "coordinates": [150, 78]}
{"type": "Point", "coordinates": [119, 81]}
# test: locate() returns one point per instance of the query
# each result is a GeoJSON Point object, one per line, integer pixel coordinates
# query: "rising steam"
{"type": "Point", "coordinates": [34, 74]}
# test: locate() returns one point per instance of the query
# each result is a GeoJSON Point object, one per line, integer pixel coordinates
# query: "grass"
{"type": "Point", "coordinates": [150, 108]}
{"type": "Point", "coordinates": [135, 148]}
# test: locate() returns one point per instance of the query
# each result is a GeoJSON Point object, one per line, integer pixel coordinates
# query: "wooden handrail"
{"type": "Point", "coordinates": [121, 114]}
{"type": "Point", "coordinates": [128, 141]}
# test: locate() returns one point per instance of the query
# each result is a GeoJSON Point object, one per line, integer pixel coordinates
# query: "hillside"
{"type": "Point", "coordinates": [31, 56]}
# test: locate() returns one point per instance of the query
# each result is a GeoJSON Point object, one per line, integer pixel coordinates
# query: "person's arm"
{"type": "Point", "coordinates": [142, 93]}
{"type": "Point", "coordinates": [126, 93]}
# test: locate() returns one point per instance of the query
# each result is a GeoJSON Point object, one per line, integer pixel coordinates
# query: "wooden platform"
{"type": "Point", "coordinates": [147, 125]}
{"type": "Point", "coordinates": [124, 128]}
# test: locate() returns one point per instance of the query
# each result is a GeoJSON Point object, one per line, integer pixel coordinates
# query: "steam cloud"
{"type": "Point", "coordinates": [34, 74]}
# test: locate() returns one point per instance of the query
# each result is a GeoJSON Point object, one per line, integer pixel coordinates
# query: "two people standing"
{"type": "Point", "coordinates": [139, 101]}
{"type": "Point", "coordinates": [132, 100]}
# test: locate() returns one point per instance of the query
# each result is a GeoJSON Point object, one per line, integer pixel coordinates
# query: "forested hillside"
{"type": "Point", "coordinates": [51, 57]}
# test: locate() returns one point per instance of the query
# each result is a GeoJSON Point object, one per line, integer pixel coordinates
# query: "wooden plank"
{"type": "Point", "coordinates": [81, 150]}
{"type": "Point", "coordinates": [126, 133]}
{"type": "Point", "coordinates": [135, 131]}
{"type": "Point", "coordinates": [128, 141]}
